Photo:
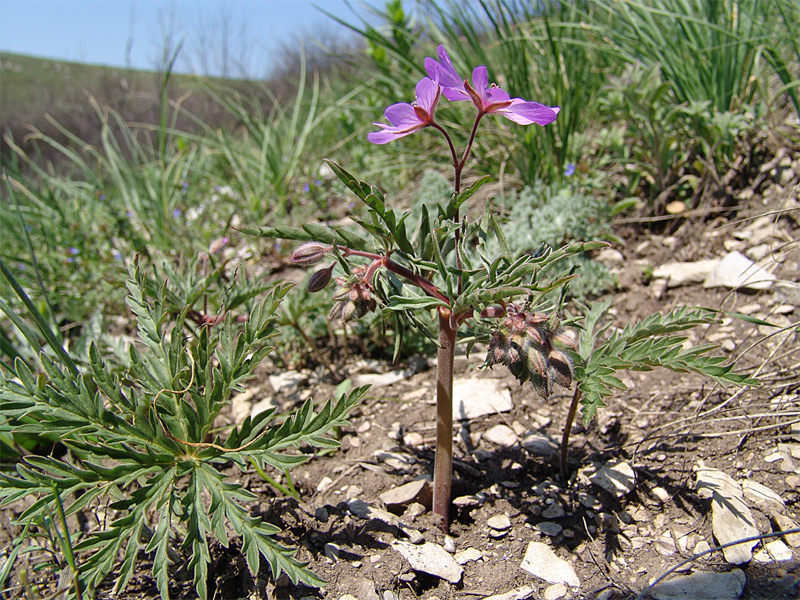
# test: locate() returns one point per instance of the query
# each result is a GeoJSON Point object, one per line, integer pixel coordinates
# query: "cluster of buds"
{"type": "Point", "coordinates": [354, 298]}
{"type": "Point", "coordinates": [533, 347]}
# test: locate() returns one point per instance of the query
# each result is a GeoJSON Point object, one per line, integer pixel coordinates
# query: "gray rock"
{"type": "Point", "coordinates": [554, 511]}
{"type": "Point", "coordinates": [477, 397]}
{"type": "Point", "coordinates": [450, 545]}
{"type": "Point", "coordinates": [520, 593]}
{"type": "Point", "coordinates": [736, 271]}
{"type": "Point", "coordinates": [677, 274]}
{"type": "Point", "coordinates": [540, 561]}
{"type": "Point", "coordinates": [549, 528]}
{"type": "Point", "coordinates": [762, 496]}
{"type": "Point", "coordinates": [398, 498]}
{"type": "Point", "coordinates": [775, 551]}
{"type": "Point", "coordinates": [431, 559]}
{"type": "Point", "coordinates": [499, 522]}
{"type": "Point", "coordinates": [363, 510]}
{"type": "Point", "coordinates": [616, 477]}
{"type": "Point", "coordinates": [787, 292]}
{"type": "Point", "coordinates": [731, 519]}
{"type": "Point", "coordinates": [540, 444]}
{"type": "Point", "coordinates": [331, 552]}
{"type": "Point", "coordinates": [665, 545]}
{"type": "Point", "coordinates": [702, 586]}
{"type": "Point", "coordinates": [784, 523]}
{"type": "Point", "coordinates": [501, 435]}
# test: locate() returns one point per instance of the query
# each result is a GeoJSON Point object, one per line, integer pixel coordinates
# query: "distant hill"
{"type": "Point", "coordinates": [31, 88]}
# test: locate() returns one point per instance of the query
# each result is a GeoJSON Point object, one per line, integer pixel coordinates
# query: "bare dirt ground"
{"type": "Point", "coordinates": [662, 426]}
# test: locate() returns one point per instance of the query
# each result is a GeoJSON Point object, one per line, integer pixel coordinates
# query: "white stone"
{"type": "Point", "coordinates": [684, 273]}
{"type": "Point", "coordinates": [413, 491]}
{"type": "Point", "coordinates": [287, 381]}
{"type": "Point", "coordinates": [775, 551]}
{"type": "Point", "coordinates": [731, 519]}
{"type": "Point", "coordinates": [499, 522]}
{"type": "Point", "coordinates": [702, 586]}
{"type": "Point", "coordinates": [784, 523]}
{"type": "Point", "coordinates": [431, 559]}
{"type": "Point", "coordinates": [616, 477]}
{"type": "Point", "coordinates": [520, 593]}
{"type": "Point", "coordinates": [324, 484]}
{"type": "Point", "coordinates": [736, 271]}
{"type": "Point", "coordinates": [555, 592]}
{"type": "Point", "coordinates": [468, 555]}
{"type": "Point", "coordinates": [787, 292]}
{"type": "Point", "coordinates": [262, 406]}
{"type": "Point", "coordinates": [381, 379]}
{"type": "Point", "coordinates": [501, 435]}
{"type": "Point", "coordinates": [762, 496]}
{"type": "Point", "coordinates": [477, 397]}
{"type": "Point", "coordinates": [610, 256]}
{"type": "Point", "coordinates": [540, 561]}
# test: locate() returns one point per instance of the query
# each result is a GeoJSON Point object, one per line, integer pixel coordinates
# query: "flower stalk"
{"type": "Point", "coordinates": [357, 295]}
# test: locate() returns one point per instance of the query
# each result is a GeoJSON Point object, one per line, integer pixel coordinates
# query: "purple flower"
{"type": "Point", "coordinates": [487, 98]}
{"type": "Point", "coordinates": [177, 213]}
{"type": "Point", "coordinates": [407, 118]}
{"type": "Point", "coordinates": [73, 250]}
{"type": "Point", "coordinates": [117, 255]}
{"type": "Point", "coordinates": [569, 169]}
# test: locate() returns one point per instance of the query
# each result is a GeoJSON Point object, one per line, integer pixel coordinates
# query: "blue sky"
{"type": "Point", "coordinates": [111, 32]}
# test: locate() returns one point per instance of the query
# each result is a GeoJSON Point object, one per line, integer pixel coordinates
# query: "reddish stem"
{"type": "Point", "coordinates": [443, 465]}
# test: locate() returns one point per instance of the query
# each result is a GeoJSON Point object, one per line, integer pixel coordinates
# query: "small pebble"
{"type": "Point", "coordinates": [324, 484]}
{"type": "Point", "coordinates": [449, 545]}
{"type": "Point", "coordinates": [555, 592]}
{"type": "Point", "coordinates": [499, 522]}
{"type": "Point", "coordinates": [549, 528]}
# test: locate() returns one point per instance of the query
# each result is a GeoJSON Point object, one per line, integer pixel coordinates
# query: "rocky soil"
{"type": "Point", "coordinates": [671, 469]}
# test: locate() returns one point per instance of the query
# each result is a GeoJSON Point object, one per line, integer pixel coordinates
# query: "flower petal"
{"type": "Point", "coordinates": [427, 95]}
{"type": "Point", "coordinates": [401, 114]}
{"type": "Point", "coordinates": [526, 113]}
{"type": "Point", "coordinates": [444, 73]}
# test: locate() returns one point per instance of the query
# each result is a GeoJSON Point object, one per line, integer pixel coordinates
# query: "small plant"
{"type": "Point", "coordinates": [141, 443]}
{"type": "Point", "coordinates": [442, 264]}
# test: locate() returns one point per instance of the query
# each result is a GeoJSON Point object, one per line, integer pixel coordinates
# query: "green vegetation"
{"type": "Point", "coordinates": [118, 216]}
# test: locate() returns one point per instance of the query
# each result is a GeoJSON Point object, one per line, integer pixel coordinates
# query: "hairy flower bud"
{"type": "Point", "coordinates": [310, 253]}
{"type": "Point", "coordinates": [493, 311]}
{"type": "Point", "coordinates": [534, 348]}
{"type": "Point", "coordinates": [352, 300]}
{"type": "Point", "coordinates": [320, 279]}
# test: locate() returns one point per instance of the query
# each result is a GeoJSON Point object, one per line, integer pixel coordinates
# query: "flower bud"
{"type": "Point", "coordinates": [493, 311]}
{"type": "Point", "coordinates": [310, 253]}
{"type": "Point", "coordinates": [534, 349]}
{"type": "Point", "coordinates": [320, 279]}
{"type": "Point", "coordinates": [352, 300]}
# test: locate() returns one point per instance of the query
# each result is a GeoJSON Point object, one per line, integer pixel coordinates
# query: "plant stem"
{"type": "Point", "coordinates": [573, 408]}
{"type": "Point", "coordinates": [443, 466]}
